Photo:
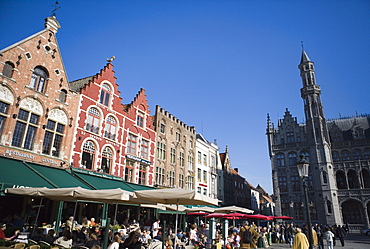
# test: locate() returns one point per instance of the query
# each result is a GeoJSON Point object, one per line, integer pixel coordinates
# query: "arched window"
{"type": "Point", "coordinates": [353, 179]}
{"type": "Point", "coordinates": [54, 132]}
{"type": "Point", "coordinates": [280, 160]}
{"type": "Point", "coordinates": [39, 79]}
{"type": "Point", "coordinates": [110, 128]}
{"type": "Point", "coordinates": [93, 120]}
{"type": "Point", "coordinates": [63, 95]}
{"type": "Point", "coordinates": [105, 94]}
{"type": "Point", "coordinates": [365, 178]}
{"type": "Point", "coordinates": [325, 177]}
{"type": "Point", "coordinates": [345, 155]}
{"type": "Point", "coordinates": [88, 155]}
{"type": "Point", "coordinates": [106, 161]}
{"type": "Point", "coordinates": [292, 159]}
{"type": "Point", "coordinates": [335, 156]}
{"type": "Point", "coordinates": [4, 107]}
{"type": "Point", "coordinates": [8, 69]}
{"type": "Point", "coordinates": [367, 153]}
{"type": "Point", "coordinates": [341, 180]}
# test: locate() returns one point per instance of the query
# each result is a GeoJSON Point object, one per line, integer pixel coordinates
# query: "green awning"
{"type": "Point", "coordinates": [16, 174]}
{"type": "Point", "coordinates": [58, 176]}
{"type": "Point", "coordinates": [169, 212]}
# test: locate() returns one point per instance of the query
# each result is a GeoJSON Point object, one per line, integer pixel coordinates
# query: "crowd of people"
{"type": "Point", "coordinates": [132, 235]}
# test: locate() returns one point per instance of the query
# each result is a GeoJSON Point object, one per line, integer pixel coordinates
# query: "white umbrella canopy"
{"type": "Point", "coordinates": [175, 196]}
{"type": "Point", "coordinates": [200, 209]}
{"type": "Point", "coordinates": [233, 209]}
{"type": "Point", "coordinates": [25, 191]}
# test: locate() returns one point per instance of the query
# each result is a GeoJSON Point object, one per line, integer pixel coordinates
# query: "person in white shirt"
{"type": "Point", "coordinates": [156, 228]}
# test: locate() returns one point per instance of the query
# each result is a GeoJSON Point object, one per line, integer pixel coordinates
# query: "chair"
{"type": "Point", "coordinates": [19, 246]}
{"type": "Point", "coordinates": [83, 247]}
{"type": "Point", "coordinates": [34, 247]}
{"type": "Point", "coordinates": [31, 241]}
{"type": "Point", "coordinates": [44, 243]}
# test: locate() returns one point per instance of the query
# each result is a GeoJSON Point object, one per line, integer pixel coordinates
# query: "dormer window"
{"type": "Point", "coordinates": [39, 79]}
{"type": "Point", "coordinates": [105, 95]}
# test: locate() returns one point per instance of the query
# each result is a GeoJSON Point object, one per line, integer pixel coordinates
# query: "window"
{"type": "Point", "coordinates": [140, 119]}
{"type": "Point", "coordinates": [204, 191]}
{"type": "Point", "coordinates": [190, 162]}
{"type": "Point", "coordinates": [93, 120]}
{"type": "Point", "coordinates": [159, 175]}
{"type": "Point", "coordinates": [204, 176]}
{"type": "Point", "coordinates": [205, 159]}
{"type": "Point", "coordinates": [63, 95]}
{"type": "Point", "coordinates": [110, 128]}
{"type": "Point", "coordinates": [178, 137]}
{"type": "Point", "coordinates": [144, 148]}
{"type": "Point", "coordinates": [182, 159]}
{"type": "Point", "coordinates": [199, 190]}
{"type": "Point", "coordinates": [54, 133]}
{"type": "Point", "coordinates": [4, 107]}
{"type": "Point", "coordinates": [171, 178]}
{"type": "Point", "coordinates": [199, 175]}
{"type": "Point", "coordinates": [162, 128]}
{"type": "Point", "coordinates": [142, 174]}
{"type": "Point", "coordinates": [345, 155]}
{"type": "Point", "coordinates": [129, 171]}
{"type": "Point", "coordinates": [191, 143]}
{"type": "Point", "coordinates": [282, 184]}
{"type": "Point", "coordinates": [329, 207]}
{"type": "Point", "coordinates": [181, 181]}
{"type": "Point", "coordinates": [88, 155]}
{"type": "Point", "coordinates": [357, 155]}
{"type": "Point", "coordinates": [292, 159]}
{"type": "Point", "coordinates": [290, 137]}
{"type": "Point", "coordinates": [280, 160]}
{"type": "Point", "coordinates": [173, 155]}
{"type": "Point", "coordinates": [25, 129]}
{"type": "Point", "coordinates": [199, 157]}
{"type": "Point", "coordinates": [335, 156]}
{"type": "Point", "coordinates": [367, 154]}
{"type": "Point", "coordinates": [296, 186]}
{"type": "Point", "coordinates": [131, 144]}
{"type": "Point", "coordinates": [106, 161]}
{"type": "Point", "coordinates": [105, 95]}
{"type": "Point", "coordinates": [190, 182]}
{"type": "Point", "coordinates": [161, 151]}
{"type": "Point", "coordinates": [39, 79]}
{"type": "Point", "coordinates": [325, 177]}
{"type": "Point", "coordinates": [8, 69]}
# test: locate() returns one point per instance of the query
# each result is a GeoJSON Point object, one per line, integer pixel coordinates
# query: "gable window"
{"type": "Point", "coordinates": [63, 95]}
{"type": "Point", "coordinates": [142, 174]}
{"type": "Point", "coordinates": [93, 120]}
{"type": "Point", "coordinates": [144, 149]}
{"type": "Point", "coordinates": [161, 151]}
{"type": "Point", "coordinates": [4, 107]}
{"type": "Point", "coordinates": [140, 119]}
{"type": "Point", "coordinates": [290, 137]}
{"type": "Point", "coordinates": [106, 161]}
{"type": "Point", "coordinates": [39, 79]}
{"type": "Point", "coordinates": [131, 144]}
{"type": "Point", "coordinates": [8, 69]}
{"type": "Point", "coordinates": [88, 155]}
{"type": "Point", "coordinates": [159, 175]}
{"type": "Point", "coordinates": [129, 171]}
{"type": "Point", "coordinates": [54, 133]}
{"type": "Point", "coordinates": [110, 128]}
{"type": "Point", "coordinates": [105, 95]}
{"type": "Point", "coordinates": [25, 129]}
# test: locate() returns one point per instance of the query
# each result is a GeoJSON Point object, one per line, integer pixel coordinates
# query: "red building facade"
{"type": "Point", "coordinates": [113, 138]}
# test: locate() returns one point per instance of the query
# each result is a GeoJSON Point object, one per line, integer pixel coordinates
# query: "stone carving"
{"type": "Point", "coordinates": [32, 105]}
{"type": "Point", "coordinates": [58, 115]}
{"type": "Point", "coordinates": [6, 95]}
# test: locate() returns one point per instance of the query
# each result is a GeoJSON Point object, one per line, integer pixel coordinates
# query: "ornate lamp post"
{"type": "Point", "coordinates": [303, 165]}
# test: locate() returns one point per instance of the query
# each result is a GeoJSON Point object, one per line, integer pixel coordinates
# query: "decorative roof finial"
{"type": "Point", "coordinates": [302, 45]}
{"type": "Point", "coordinates": [56, 7]}
{"type": "Point", "coordinates": [111, 58]}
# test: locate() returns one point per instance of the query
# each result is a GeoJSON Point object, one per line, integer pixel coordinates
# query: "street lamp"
{"type": "Point", "coordinates": [302, 165]}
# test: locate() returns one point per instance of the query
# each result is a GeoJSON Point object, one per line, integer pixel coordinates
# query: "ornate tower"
{"type": "Point", "coordinates": [324, 193]}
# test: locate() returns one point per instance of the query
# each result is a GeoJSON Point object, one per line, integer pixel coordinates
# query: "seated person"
{"type": "Point", "coordinates": [92, 241]}
{"type": "Point", "coordinates": [65, 240]}
{"type": "Point", "coordinates": [49, 238]}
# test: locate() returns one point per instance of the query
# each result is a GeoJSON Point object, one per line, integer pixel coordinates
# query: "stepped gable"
{"type": "Point", "coordinates": [141, 103]}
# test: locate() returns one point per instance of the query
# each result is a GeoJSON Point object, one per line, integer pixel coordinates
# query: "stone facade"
{"type": "Point", "coordinates": [175, 158]}
{"type": "Point", "coordinates": [37, 106]}
{"type": "Point", "coordinates": [320, 141]}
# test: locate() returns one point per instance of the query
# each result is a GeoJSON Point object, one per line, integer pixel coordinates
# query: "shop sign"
{"type": "Point", "coordinates": [138, 159]}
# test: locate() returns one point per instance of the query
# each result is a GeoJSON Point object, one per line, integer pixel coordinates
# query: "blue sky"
{"type": "Point", "coordinates": [220, 66]}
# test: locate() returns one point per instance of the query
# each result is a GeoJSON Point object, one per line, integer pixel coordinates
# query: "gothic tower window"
{"type": "Point", "coordinates": [93, 120]}
{"type": "Point", "coordinates": [39, 79]}
{"type": "Point", "coordinates": [329, 207]}
{"type": "Point", "coordinates": [341, 180]}
{"type": "Point", "coordinates": [106, 161]}
{"type": "Point", "coordinates": [88, 155]}
{"type": "Point", "coordinates": [324, 177]}
{"type": "Point", "coordinates": [110, 128]}
{"type": "Point", "coordinates": [292, 159]}
{"type": "Point", "coordinates": [8, 69]}
{"type": "Point", "coordinates": [105, 95]}
{"type": "Point", "coordinates": [280, 160]}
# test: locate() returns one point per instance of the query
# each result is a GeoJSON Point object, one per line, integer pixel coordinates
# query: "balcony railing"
{"type": "Point", "coordinates": [92, 128]}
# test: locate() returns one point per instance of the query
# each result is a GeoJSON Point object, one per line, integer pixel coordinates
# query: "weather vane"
{"type": "Point", "coordinates": [56, 7]}
{"type": "Point", "coordinates": [302, 45]}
